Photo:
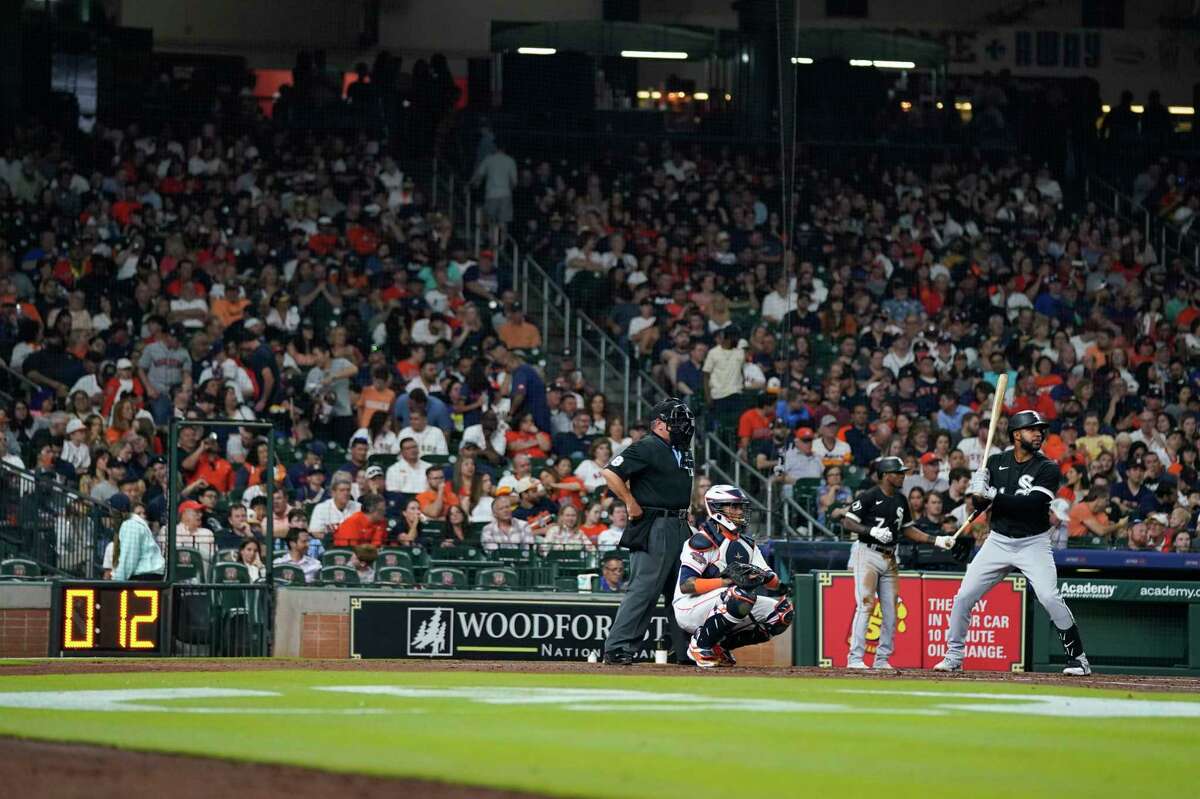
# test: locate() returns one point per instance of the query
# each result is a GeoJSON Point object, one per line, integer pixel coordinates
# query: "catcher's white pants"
{"type": "Point", "coordinates": [692, 611]}
{"type": "Point", "coordinates": [876, 576]}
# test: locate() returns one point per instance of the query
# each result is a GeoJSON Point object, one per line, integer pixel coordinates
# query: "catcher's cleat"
{"type": "Point", "coordinates": [703, 658]}
{"type": "Point", "coordinates": [947, 664]}
{"type": "Point", "coordinates": [1078, 667]}
{"type": "Point", "coordinates": [726, 657]}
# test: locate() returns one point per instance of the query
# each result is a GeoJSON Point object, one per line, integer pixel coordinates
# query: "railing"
{"type": "Point", "coordinates": [222, 620]}
{"type": "Point", "coordinates": [1169, 240]}
{"type": "Point", "coordinates": [12, 380]}
{"type": "Point", "coordinates": [61, 530]}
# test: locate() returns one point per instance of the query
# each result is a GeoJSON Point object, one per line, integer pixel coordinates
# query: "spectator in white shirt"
{"type": "Point", "coordinates": [407, 474]}
{"type": "Point", "coordinates": [328, 515]}
{"type": "Point", "coordinates": [489, 436]}
{"type": "Point", "coordinates": [75, 450]}
{"type": "Point", "coordinates": [643, 329]}
{"type": "Point", "coordinates": [779, 302]}
{"type": "Point", "coordinates": [430, 440]}
{"type": "Point", "coordinates": [504, 530]}
{"type": "Point", "coordinates": [617, 519]}
{"type": "Point", "coordinates": [591, 469]}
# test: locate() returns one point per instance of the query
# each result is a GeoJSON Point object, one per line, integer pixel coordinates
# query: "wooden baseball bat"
{"type": "Point", "coordinates": [997, 409]}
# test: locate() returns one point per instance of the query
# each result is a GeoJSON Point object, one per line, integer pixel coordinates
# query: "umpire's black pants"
{"type": "Point", "coordinates": [655, 573]}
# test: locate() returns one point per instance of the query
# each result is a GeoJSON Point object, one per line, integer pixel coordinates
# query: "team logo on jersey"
{"type": "Point", "coordinates": [1025, 483]}
{"type": "Point", "coordinates": [430, 632]}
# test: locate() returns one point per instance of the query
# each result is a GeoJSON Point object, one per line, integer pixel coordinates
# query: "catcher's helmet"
{"type": "Point", "coordinates": [721, 498]}
{"type": "Point", "coordinates": [1026, 419]}
{"type": "Point", "coordinates": [890, 465]}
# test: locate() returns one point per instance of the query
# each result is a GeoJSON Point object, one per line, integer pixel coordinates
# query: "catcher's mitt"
{"type": "Point", "coordinates": [745, 575]}
{"type": "Point", "coordinates": [963, 546]}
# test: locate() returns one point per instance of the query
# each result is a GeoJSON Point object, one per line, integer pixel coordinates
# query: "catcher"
{"type": "Point", "coordinates": [878, 518]}
{"type": "Point", "coordinates": [720, 574]}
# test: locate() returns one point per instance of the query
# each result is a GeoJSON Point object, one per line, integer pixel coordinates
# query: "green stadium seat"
{"type": "Point", "coordinates": [537, 576]}
{"type": "Point", "coordinates": [230, 572]}
{"type": "Point", "coordinates": [566, 584]}
{"type": "Point", "coordinates": [287, 573]}
{"type": "Point", "coordinates": [438, 460]}
{"type": "Point", "coordinates": [431, 529]}
{"type": "Point", "coordinates": [339, 575]}
{"type": "Point", "coordinates": [497, 578]}
{"type": "Point", "coordinates": [420, 557]}
{"type": "Point", "coordinates": [512, 554]}
{"type": "Point", "coordinates": [395, 576]}
{"type": "Point", "coordinates": [446, 577]}
{"type": "Point", "coordinates": [189, 565]}
{"type": "Point", "coordinates": [20, 569]}
{"type": "Point", "coordinates": [394, 557]}
{"type": "Point", "coordinates": [382, 460]}
{"type": "Point", "coordinates": [336, 557]}
{"type": "Point", "coordinates": [226, 556]}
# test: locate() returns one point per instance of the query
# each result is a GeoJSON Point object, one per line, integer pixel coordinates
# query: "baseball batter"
{"type": "Point", "coordinates": [879, 517]}
{"type": "Point", "coordinates": [1018, 485]}
{"type": "Point", "coordinates": [720, 572]}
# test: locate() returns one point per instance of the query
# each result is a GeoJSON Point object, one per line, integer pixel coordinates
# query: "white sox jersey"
{"type": "Point", "coordinates": [707, 553]}
{"type": "Point", "coordinates": [1024, 491]}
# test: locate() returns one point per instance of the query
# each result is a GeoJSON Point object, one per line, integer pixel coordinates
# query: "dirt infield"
{"type": "Point", "coordinates": [34, 769]}
{"type": "Point", "coordinates": [91, 666]}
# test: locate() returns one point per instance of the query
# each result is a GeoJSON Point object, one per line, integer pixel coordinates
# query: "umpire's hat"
{"type": "Point", "coordinates": [890, 465]}
{"type": "Point", "coordinates": [1026, 419]}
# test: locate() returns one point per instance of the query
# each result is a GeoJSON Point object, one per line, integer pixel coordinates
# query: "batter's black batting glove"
{"type": "Point", "coordinates": [980, 503]}
{"type": "Point", "coordinates": [962, 549]}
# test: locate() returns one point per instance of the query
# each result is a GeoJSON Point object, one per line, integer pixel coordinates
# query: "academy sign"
{"type": "Point", "coordinates": [486, 629]}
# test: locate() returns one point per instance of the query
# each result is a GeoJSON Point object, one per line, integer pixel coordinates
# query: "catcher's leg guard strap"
{"type": "Point", "coordinates": [1072, 642]}
{"type": "Point", "coordinates": [713, 630]}
{"type": "Point", "coordinates": [740, 638]}
{"type": "Point", "coordinates": [780, 618]}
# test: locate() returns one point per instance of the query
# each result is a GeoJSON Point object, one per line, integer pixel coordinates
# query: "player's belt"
{"type": "Point", "coordinates": [664, 513]}
{"type": "Point", "coordinates": [886, 550]}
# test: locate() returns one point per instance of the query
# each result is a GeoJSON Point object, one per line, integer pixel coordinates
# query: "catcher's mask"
{"type": "Point", "coordinates": [680, 421]}
{"type": "Point", "coordinates": [729, 507]}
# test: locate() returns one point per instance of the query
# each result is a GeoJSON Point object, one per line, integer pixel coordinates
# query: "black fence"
{"type": "Point", "coordinates": [61, 530]}
{"type": "Point", "coordinates": [222, 620]}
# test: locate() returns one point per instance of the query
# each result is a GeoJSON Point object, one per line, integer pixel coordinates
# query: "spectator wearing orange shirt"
{"type": "Point", "coordinates": [375, 397]}
{"type": "Point", "coordinates": [755, 423]}
{"type": "Point", "coordinates": [1088, 517]}
{"type": "Point", "coordinates": [527, 439]}
{"type": "Point", "coordinates": [564, 486]}
{"type": "Point", "coordinates": [517, 332]}
{"type": "Point", "coordinates": [212, 468]}
{"type": "Point", "coordinates": [436, 499]}
{"type": "Point", "coordinates": [367, 526]}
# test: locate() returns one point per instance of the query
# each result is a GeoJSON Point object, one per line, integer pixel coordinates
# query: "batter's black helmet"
{"type": "Point", "coordinates": [1026, 419]}
{"type": "Point", "coordinates": [890, 465]}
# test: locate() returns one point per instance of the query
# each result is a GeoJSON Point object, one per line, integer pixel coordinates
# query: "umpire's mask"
{"type": "Point", "coordinates": [681, 423]}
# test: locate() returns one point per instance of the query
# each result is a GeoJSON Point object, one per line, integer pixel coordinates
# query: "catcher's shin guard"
{"type": "Point", "coordinates": [736, 640]}
{"type": "Point", "coordinates": [736, 605]}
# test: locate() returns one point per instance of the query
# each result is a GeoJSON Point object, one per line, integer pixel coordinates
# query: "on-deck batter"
{"type": "Point", "coordinates": [879, 517]}
{"type": "Point", "coordinates": [1019, 485]}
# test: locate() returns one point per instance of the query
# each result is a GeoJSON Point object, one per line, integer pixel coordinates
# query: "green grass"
{"type": "Point", "coordinates": [739, 744]}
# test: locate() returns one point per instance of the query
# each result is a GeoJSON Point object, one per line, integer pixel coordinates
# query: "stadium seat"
{"type": "Point", "coordinates": [512, 554]}
{"type": "Point", "coordinates": [391, 557]}
{"type": "Point", "coordinates": [497, 578]}
{"type": "Point", "coordinates": [446, 577]}
{"type": "Point", "coordinates": [189, 565]}
{"type": "Point", "coordinates": [229, 572]}
{"type": "Point", "coordinates": [438, 460]}
{"type": "Point", "coordinates": [536, 576]}
{"type": "Point", "coordinates": [395, 576]}
{"type": "Point", "coordinates": [339, 575]}
{"type": "Point", "coordinates": [336, 557]}
{"type": "Point", "coordinates": [382, 460]}
{"type": "Point", "coordinates": [19, 569]}
{"type": "Point", "coordinates": [432, 529]}
{"type": "Point", "coordinates": [566, 584]}
{"type": "Point", "coordinates": [286, 573]}
{"type": "Point", "coordinates": [226, 556]}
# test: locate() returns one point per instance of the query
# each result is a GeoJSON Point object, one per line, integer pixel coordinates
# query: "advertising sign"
{"type": "Point", "coordinates": [995, 642]}
{"type": "Point", "coordinates": [486, 629]}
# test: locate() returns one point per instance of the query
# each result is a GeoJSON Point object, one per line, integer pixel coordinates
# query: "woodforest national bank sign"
{"type": "Point", "coordinates": [487, 627]}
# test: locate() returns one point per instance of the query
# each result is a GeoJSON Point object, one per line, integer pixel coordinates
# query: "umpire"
{"type": "Point", "coordinates": [653, 477]}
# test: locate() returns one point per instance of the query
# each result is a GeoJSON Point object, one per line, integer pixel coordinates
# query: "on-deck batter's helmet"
{"type": "Point", "coordinates": [722, 498]}
{"type": "Point", "coordinates": [890, 465]}
{"type": "Point", "coordinates": [1024, 420]}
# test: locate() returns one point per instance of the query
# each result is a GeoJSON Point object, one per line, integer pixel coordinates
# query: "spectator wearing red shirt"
{"type": "Point", "coordinates": [437, 498]}
{"type": "Point", "coordinates": [1028, 398]}
{"type": "Point", "coordinates": [367, 526]}
{"type": "Point", "coordinates": [527, 439]}
{"type": "Point", "coordinates": [124, 384]}
{"type": "Point", "coordinates": [755, 423]}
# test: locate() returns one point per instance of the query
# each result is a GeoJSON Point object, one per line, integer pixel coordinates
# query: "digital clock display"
{"type": "Point", "coordinates": [105, 618]}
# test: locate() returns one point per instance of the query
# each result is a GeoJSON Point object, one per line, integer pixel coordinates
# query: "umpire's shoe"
{"type": "Point", "coordinates": [1078, 667]}
{"type": "Point", "coordinates": [618, 658]}
{"type": "Point", "coordinates": [946, 664]}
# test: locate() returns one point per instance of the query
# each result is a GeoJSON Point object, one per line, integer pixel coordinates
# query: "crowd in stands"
{"type": "Point", "coordinates": [304, 281]}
